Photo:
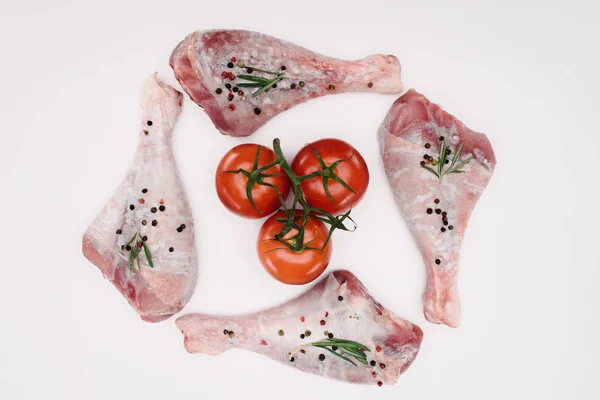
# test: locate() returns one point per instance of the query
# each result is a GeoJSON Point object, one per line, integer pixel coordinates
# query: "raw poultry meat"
{"type": "Point", "coordinates": [436, 210]}
{"type": "Point", "coordinates": [336, 308]}
{"type": "Point", "coordinates": [224, 70]}
{"type": "Point", "coordinates": [143, 239]}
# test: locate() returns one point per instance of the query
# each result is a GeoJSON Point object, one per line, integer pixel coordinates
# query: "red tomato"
{"type": "Point", "coordinates": [353, 170]}
{"type": "Point", "coordinates": [231, 187]}
{"type": "Point", "coordinates": [288, 266]}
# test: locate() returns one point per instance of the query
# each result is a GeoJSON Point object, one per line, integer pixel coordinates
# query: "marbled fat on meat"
{"type": "Point", "coordinates": [339, 305]}
{"type": "Point", "coordinates": [151, 200]}
{"type": "Point", "coordinates": [411, 124]}
{"type": "Point", "coordinates": [200, 63]}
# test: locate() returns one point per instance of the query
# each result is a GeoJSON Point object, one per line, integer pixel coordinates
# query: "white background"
{"type": "Point", "coordinates": [523, 72]}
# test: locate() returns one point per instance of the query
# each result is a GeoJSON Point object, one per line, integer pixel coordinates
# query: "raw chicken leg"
{"type": "Point", "coordinates": [149, 210]}
{"type": "Point", "coordinates": [436, 212]}
{"type": "Point", "coordinates": [338, 307]}
{"type": "Point", "coordinates": [212, 65]}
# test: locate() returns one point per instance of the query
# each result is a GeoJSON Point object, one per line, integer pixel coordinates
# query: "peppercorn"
{"type": "Point", "coordinates": [281, 332]}
{"type": "Point", "coordinates": [182, 226]}
{"type": "Point", "coordinates": [161, 208]}
{"type": "Point", "coordinates": [382, 366]}
{"type": "Point", "coordinates": [446, 162]}
{"type": "Point", "coordinates": [225, 332]}
{"type": "Point", "coordinates": [256, 110]}
{"type": "Point", "coordinates": [322, 357]}
{"type": "Point", "coordinates": [429, 211]}
{"type": "Point", "coordinates": [119, 231]}
{"type": "Point", "coordinates": [232, 107]}
{"type": "Point", "coordinates": [373, 363]}
{"type": "Point", "coordinates": [153, 209]}
{"type": "Point", "coordinates": [340, 298]}
{"type": "Point", "coordinates": [370, 85]}
{"type": "Point", "coordinates": [145, 238]}
{"type": "Point", "coordinates": [224, 74]}
{"type": "Point", "coordinates": [448, 151]}
{"type": "Point", "coordinates": [229, 65]}
{"type": "Point", "coordinates": [149, 123]}
{"type": "Point", "coordinates": [303, 351]}
{"type": "Point", "coordinates": [235, 89]}
{"type": "Point", "coordinates": [154, 222]}
{"type": "Point", "coordinates": [422, 163]}
{"type": "Point", "coordinates": [427, 145]}
{"type": "Point", "coordinates": [228, 85]}
{"type": "Point", "coordinates": [233, 59]}
{"type": "Point", "coordinates": [302, 336]}
{"type": "Point", "coordinates": [444, 213]}
{"type": "Point", "coordinates": [451, 227]}
{"type": "Point", "coordinates": [128, 247]}
{"type": "Point", "coordinates": [334, 348]}
{"type": "Point", "coordinates": [426, 156]}
{"type": "Point", "coordinates": [240, 64]}
{"type": "Point", "coordinates": [139, 244]}
{"type": "Point", "coordinates": [331, 87]}
{"type": "Point", "coordinates": [445, 222]}
{"type": "Point", "coordinates": [293, 86]}
{"type": "Point", "coordinates": [441, 138]}
{"type": "Point", "coordinates": [240, 93]}
{"type": "Point", "coordinates": [301, 83]}
{"type": "Point", "coordinates": [144, 222]}
{"type": "Point", "coordinates": [322, 322]}
{"type": "Point", "coordinates": [438, 261]}
{"type": "Point", "coordinates": [438, 211]}
{"type": "Point", "coordinates": [443, 229]}
{"type": "Point", "coordinates": [283, 67]}
{"type": "Point", "coordinates": [144, 190]}
{"type": "Point", "coordinates": [330, 335]}
{"type": "Point", "coordinates": [179, 230]}
{"type": "Point", "coordinates": [436, 201]}
{"type": "Point", "coordinates": [434, 162]}
{"type": "Point", "coordinates": [146, 132]}
{"type": "Point", "coordinates": [308, 333]}
{"type": "Point", "coordinates": [230, 97]}
{"type": "Point", "coordinates": [219, 91]}
{"type": "Point", "coordinates": [374, 374]}
{"type": "Point", "coordinates": [231, 334]}
{"type": "Point", "coordinates": [249, 70]}
{"type": "Point", "coordinates": [292, 359]}
{"type": "Point", "coordinates": [274, 86]}
{"type": "Point", "coordinates": [171, 249]}
{"type": "Point", "coordinates": [379, 383]}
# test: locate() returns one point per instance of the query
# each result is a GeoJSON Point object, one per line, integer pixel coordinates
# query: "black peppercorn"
{"type": "Point", "coordinates": [292, 359]}
{"type": "Point", "coordinates": [373, 363]}
{"type": "Point", "coordinates": [436, 201]}
{"type": "Point", "coordinates": [144, 190]}
{"type": "Point", "coordinates": [422, 163]}
{"type": "Point", "coordinates": [283, 67]}
{"type": "Point", "coordinates": [429, 211]}
{"type": "Point", "coordinates": [441, 138]}
{"type": "Point", "coordinates": [225, 332]}
{"type": "Point", "coordinates": [144, 238]}
{"type": "Point", "coordinates": [334, 348]}
{"type": "Point", "coordinates": [161, 208]}
{"type": "Point", "coordinates": [426, 156]}
{"type": "Point", "coordinates": [451, 227]}
{"type": "Point", "coordinates": [228, 85]}
{"type": "Point", "coordinates": [443, 229]}
{"type": "Point", "coordinates": [438, 261]}
{"type": "Point", "coordinates": [182, 226]}
{"type": "Point", "coordinates": [274, 86]}
{"type": "Point", "coordinates": [144, 222]}
{"type": "Point", "coordinates": [249, 70]}
{"type": "Point", "coordinates": [330, 335]}
{"type": "Point", "coordinates": [128, 247]}
{"type": "Point", "coordinates": [427, 145]}
{"type": "Point", "coordinates": [235, 89]}
{"type": "Point", "coordinates": [256, 110]}
{"type": "Point", "coordinates": [293, 86]}
{"type": "Point", "coordinates": [229, 65]}
{"type": "Point", "coordinates": [438, 211]}
{"type": "Point", "coordinates": [448, 151]}
{"type": "Point", "coordinates": [153, 209]}
{"type": "Point", "coordinates": [154, 222]}
{"type": "Point", "coordinates": [219, 91]}
{"type": "Point", "coordinates": [119, 231]}
{"type": "Point", "coordinates": [322, 357]}
{"type": "Point", "coordinates": [444, 213]}
{"type": "Point", "coordinates": [340, 298]}
{"type": "Point", "coordinates": [149, 123]}
{"type": "Point", "coordinates": [171, 249]}
{"type": "Point", "coordinates": [131, 207]}
{"type": "Point", "coordinates": [446, 161]}
{"type": "Point", "coordinates": [379, 383]}
{"type": "Point", "coordinates": [445, 222]}
{"type": "Point", "coordinates": [302, 336]}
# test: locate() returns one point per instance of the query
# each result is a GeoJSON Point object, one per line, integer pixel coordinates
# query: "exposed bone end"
{"type": "Point", "coordinates": [205, 334]}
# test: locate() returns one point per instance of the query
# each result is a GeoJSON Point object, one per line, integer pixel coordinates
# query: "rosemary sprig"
{"type": "Point", "coordinates": [136, 249]}
{"type": "Point", "coordinates": [441, 162]}
{"type": "Point", "coordinates": [263, 84]}
{"type": "Point", "coordinates": [347, 349]}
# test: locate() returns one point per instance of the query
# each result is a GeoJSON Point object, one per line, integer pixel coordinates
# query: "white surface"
{"type": "Point", "coordinates": [523, 72]}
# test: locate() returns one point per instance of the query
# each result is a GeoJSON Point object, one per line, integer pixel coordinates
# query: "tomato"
{"type": "Point", "coordinates": [288, 266]}
{"type": "Point", "coordinates": [231, 187]}
{"type": "Point", "coordinates": [353, 170]}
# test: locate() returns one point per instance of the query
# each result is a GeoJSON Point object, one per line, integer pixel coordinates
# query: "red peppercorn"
{"type": "Point", "coordinates": [437, 201]}
{"type": "Point", "coordinates": [379, 383]}
{"type": "Point", "coordinates": [378, 349]}
{"type": "Point", "coordinates": [374, 374]}
{"type": "Point", "coordinates": [240, 92]}
{"type": "Point", "coordinates": [326, 314]}
{"type": "Point", "coordinates": [230, 97]}
{"type": "Point", "coordinates": [161, 201]}
{"type": "Point", "coordinates": [302, 319]}
{"type": "Point", "coordinates": [231, 76]}
{"type": "Point", "coordinates": [303, 351]}
{"type": "Point", "coordinates": [232, 107]}
{"type": "Point", "coordinates": [322, 322]}
{"type": "Point", "coordinates": [370, 85]}
{"type": "Point", "coordinates": [224, 74]}
{"type": "Point", "coordinates": [142, 201]}
{"type": "Point", "coordinates": [382, 366]}
{"type": "Point", "coordinates": [263, 342]}
{"type": "Point", "coordinates": [233, 59]}
{"type": "Point", "coordinates": [139, 244]}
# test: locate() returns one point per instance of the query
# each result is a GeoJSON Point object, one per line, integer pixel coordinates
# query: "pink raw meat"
{"type": "Point", "coordinates": [412, 123]}
{"type": "Point", "coordinates": [151, 200]}
{"type": "Point", "coordinates": [338, 306]}
{"type": "Point", "coordinates": [201, 65]}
